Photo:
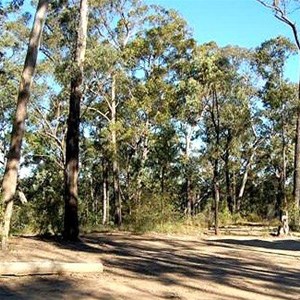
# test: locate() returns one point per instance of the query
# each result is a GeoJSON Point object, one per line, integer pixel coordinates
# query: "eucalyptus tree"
{"type": "Point", "coordinates": [283, 10]}
{"type": "Point", "coordinates": [71, 223]}
{"type": "Point", "coordinates": [44, 155]}
{"type": "Point", "coordinates": [226, 118]}
{"type": "Point", "coordinates": [113, 25]}
{"type": "Point", "coordinates": [278, 96]}
{"type": "Point", "coordinates": [133, 83]}
{"type": "Point", "coordinates": [189, 94]}
{"type": "Point", "coordinates": [12, 44]}
{"type": "Point", "coordinates": [45, 147]}
{"type": "Point", "coordinates": [159, 53]}
{"type": "Point", "coordinates": [13, 161]}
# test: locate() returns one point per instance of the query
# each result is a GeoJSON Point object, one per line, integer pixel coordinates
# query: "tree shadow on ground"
{"type": "Point", "coordinates": [189, 264]}
{"type": "Point", "coordinates": [280, 244]}
{"type": "Point", "coordinates": [39, 287]}
{"type": "Point", "coordinates": [165, 259]}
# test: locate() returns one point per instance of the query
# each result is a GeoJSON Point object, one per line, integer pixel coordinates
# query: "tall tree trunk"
{"type": "Point", "coordinates": [187, 185]}
{"type": "Point", "coordinates": [13, 160]}
{"type": "Point", "coordinates": [279, 196]}
{"type": "Point", "coordinates": [245, 176]}
{"type": "Point", "coordinates": [230, 204]}
{"type": "Point", "coordinates": [296, 190]}
{"type": "Point", "coordinates": [105, 191]}
{"type": "Point", "coordinates": [284, 164]}
{"type": "Point", "coordinates": [188, 198]}
{"type": "Point", "coordinates": [234, 191]}
{"type": "Point", "coordinates": [144, 159]}
{"type": "Point", "coordinates": [116, 187]}
{"type": "Point", "coordinates": [243, 185]}
{"type": "Point", "coordinates": [216, 190]}
{"type": "Point", "coordinates": [162, 179]}
{"type": "Point", "coordinates": [229, 197]}
{"type": "Point", "coordinates": [104, 206]}
{"type": "Point", "coordinates": [71, 225]}
{"type": "Point", "coordinates": [215, 115]}
{"type": "Point", "coordinates": [281, 205]}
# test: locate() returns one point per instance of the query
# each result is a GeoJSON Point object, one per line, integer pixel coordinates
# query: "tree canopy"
{"type": "Point", "coordinates": [168, 129]}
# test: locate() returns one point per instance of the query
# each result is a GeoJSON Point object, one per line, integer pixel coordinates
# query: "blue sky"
{"type": "Point", "coordinates": [245, 23]}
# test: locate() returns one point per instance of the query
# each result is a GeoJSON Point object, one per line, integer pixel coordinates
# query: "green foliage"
{"type": "Point", "coordinates": [294, 217]}
{"type": "Point", "coordinates": [271, 56]}
{"type": "Point", "coordinates": [225, 217]}
{"type": "Point", "coordinates": [43, 213]}
{"type": "Point", "coordinates": [152, 214]}
{"type": "Point", "coordinates": [161, 108]}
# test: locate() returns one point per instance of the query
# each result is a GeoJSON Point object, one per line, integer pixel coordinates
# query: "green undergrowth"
{"type": "Point", "coordinates": [159, 217]}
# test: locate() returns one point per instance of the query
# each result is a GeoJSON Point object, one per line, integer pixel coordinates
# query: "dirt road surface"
{"type": "Point", "coordinates": [160, 267]}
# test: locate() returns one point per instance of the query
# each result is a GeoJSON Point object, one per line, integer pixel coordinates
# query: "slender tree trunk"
{"type": "Point", "coordinates": [162, 179]}
{"type": "Point", "coordinates": [227, 175]}
{"type": "Point", "coordinates": [117, 195]}
{"type": "Point", "coordinates": [108, 218]}
{"type": "Point", "coordinates": [96, 209]}
{"type": "Point", "coordinates": [215, 114]}
{"type": "Point", "coordinates": [245, 176]}
{"type": "Point", "coordinates": [130, 195]}
{"type": "Point", "coordinates": [284, 164]}
{"type": "Point", "coordinates": [296, 190]}
{"type": "Point", "coordinates": [230, 204]}
{"type": "Point", "coordinates": [71, 224]}
{"type": "Point", "coordinates": [92, 195]}
{"type": "Point", "coordinates": [144, 158]}
{"type": "Point", "coordinates": [105, 192]}
{"type": "Point", "coordinates": [188, 200]}
{"type": "Point", "coordinates": [216, 186]}
{"type": "Point", "coordinates": [13, 160]}
{"type": "Point", "coordinates": [281, 195]}
{"type": "Point", "coordinates": [243, 185]}
{"type": "Point", "coordinates": [234, 191]}
{"type": "Point", "coordinates": [104, 206]}
{"type": "Point", "coordinates": [188, 197]}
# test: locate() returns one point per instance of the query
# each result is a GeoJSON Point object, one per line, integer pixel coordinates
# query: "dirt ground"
{"type": "Point", "coordinates": [160, 267]}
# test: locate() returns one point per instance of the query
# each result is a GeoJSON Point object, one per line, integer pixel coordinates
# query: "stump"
{"type": "Point", "coordinates": [283, 229]}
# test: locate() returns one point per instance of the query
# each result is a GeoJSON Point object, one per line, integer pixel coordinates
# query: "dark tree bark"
{"type": "Point", "coordinates": [71, 224]}
{"type": "Point", "coordinates": [105, 197]}
{"type": "Point", "coordinates": [188, 197]}
{"type": "Point", "coordinates": [13, 159]}
{"type": "Point", "coordinates": [216, 191]}
{"type": "Point", "coordinates": [229, 196]}
{"type": "Point", "coordinates": [115, 163]}
{"type": "Point", "coordinates": [144, 159]}
{"type": "Point", "coordinates": [215, 116]}
{"type": "Point", "coordinates": [234, 192]}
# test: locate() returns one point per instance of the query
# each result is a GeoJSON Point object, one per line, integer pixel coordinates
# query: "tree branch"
{"type": "Point", "coordinates": [281, 15]}
{"type": "Point", "coordinates": [99, 112]}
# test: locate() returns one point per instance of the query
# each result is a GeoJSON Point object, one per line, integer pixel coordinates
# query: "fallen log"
{"type": "Point", "coordinates": [48, 267]}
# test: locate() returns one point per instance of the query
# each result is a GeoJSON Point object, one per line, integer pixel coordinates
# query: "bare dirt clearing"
{"type": "Point", "coordinates": [160, 267]}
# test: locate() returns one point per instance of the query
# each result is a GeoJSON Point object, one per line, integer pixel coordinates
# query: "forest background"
{"type": "Point", "coordinates": [174, 132]}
